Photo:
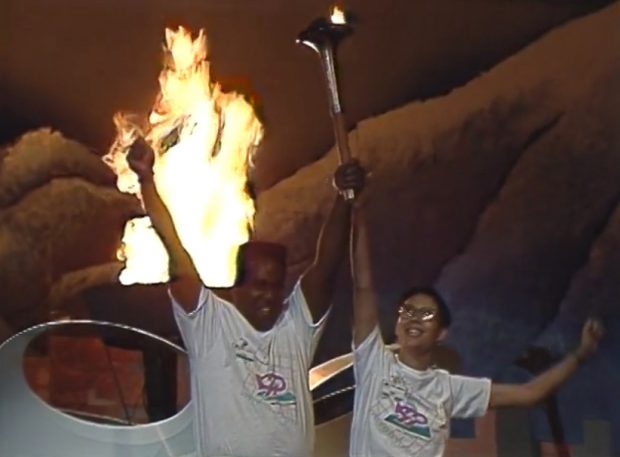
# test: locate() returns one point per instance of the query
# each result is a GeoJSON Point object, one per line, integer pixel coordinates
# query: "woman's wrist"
{"type": "Point", "coordinates": [579, 356]}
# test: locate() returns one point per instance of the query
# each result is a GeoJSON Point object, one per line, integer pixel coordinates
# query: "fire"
{"type": "Point", "coordinates": [337, 15]}
{"type": "Point", "coordinates": [203, 140]}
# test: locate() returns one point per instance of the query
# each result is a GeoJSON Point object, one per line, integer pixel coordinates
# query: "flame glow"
{"type": "Point", "coordinates": [337, 16]}
{"type": "Point", "coordinates": [203, 140]}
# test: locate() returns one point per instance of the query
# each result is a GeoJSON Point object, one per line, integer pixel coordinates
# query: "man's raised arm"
{"type": "Point", "coordinates": [318, 281]}
{"type": "Point", "coordinates": [185, 283]}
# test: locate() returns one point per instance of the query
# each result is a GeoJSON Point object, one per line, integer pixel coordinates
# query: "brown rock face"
{"type": "Point", "coordinates": [495, 192]}
{"type": "Point", "coordinates": [58, 214]}
{"type": "Point", "coordinates": [537, 233]}
{"type": "Point", "coordinates": [504, 193]}
{"type": "Point", "coordinates": [100, 61]}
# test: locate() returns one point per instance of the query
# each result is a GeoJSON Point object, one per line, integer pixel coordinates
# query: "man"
{"type": "Point", "coordinates": [249, 357]}
{"type": "Point", "coordinates": [403, 404]}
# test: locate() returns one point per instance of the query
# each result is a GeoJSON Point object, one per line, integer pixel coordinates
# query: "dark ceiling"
{"type": "Point", "coordinates": [72, 64]}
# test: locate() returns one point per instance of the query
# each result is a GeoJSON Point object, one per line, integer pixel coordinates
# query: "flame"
{"type": "Point", "coordinates": [337, 15]}
{"type": "Point", "coordinates": [203, 140]}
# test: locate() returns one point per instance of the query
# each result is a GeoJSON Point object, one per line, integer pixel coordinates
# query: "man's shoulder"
{"type": "Point", "coordinates": [219, 293]}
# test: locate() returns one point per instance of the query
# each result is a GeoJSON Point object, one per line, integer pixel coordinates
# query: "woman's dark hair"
{"type": "Point", "coordinates": [445, 318]}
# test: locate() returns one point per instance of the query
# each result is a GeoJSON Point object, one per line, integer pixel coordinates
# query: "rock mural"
{"type": "Point", "coordinates": [503, 193]}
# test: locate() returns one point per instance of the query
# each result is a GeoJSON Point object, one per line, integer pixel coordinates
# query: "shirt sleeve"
{"type": "Point", "coordinates": [369, 356]}
{"type": "Point", "coordinates": [309, 331]}
{"type": "Point", "coordinates": [470, 396]}
{"type": "Point", "coordinates": [199, 327]}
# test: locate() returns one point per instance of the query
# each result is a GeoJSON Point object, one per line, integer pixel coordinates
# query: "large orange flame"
{"type": "Point", "coordinates": [203, 140]}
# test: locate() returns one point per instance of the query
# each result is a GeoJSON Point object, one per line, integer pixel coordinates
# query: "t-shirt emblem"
{"type": "Point", "coordinates": [272, 388]}
{"type": "Point", "coordinates": [408, 418]}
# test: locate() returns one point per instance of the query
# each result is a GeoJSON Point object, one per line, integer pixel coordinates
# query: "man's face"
{"type": "Point", "coordinates": [418, 326]}
{"type": "Point", "coordinates": [259, 298]}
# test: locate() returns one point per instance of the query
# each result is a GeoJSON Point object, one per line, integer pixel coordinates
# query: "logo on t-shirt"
{"type": "Point", "coordinates": [272, 388]}
{"type": "Point", "coordinates": [408, 418]}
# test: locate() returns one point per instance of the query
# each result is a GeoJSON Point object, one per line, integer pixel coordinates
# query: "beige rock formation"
{"type": "Point", "coordinates": [495, 191]}
{"type": "Point", "coordinates": [468, 190]}
{"type": "Point", "coordinates": [58, 213]}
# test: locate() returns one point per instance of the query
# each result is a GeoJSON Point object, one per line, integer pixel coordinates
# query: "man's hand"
{"type": "Point", "coordinates": [350, 175]}
{"type": "Point", "coordinates": [590, 336]}
{"type": "Point", "coordinates": [141, 159]}
{"type": "Point", "coordinates": [318, 281]}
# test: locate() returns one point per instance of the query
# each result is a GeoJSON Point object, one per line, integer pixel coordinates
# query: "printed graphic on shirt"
{"type": "Point", "coordinates": [408, 418]}
{"type": "Point", "coordinates": [243, 350]}
{"type": "Point", "coordinates": [404, 418]}
{"type": "Point", "coordinates": [272, 388]}
{"type": "Point", "coordinates": [265, 380]}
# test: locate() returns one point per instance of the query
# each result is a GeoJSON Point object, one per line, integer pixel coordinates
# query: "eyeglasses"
{"type": "Point", "coordinates": [423, 314]}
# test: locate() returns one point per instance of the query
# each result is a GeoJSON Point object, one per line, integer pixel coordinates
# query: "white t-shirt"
{"type": "Point", "coordinates": [399, 411]}
{"type": "Point", "coordinates": [250, 389]}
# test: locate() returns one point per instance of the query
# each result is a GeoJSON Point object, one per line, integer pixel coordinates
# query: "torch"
{"type": "Point", "coordinates": [323, 36]}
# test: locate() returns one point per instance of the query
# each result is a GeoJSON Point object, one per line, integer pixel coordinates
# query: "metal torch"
{"type": "Point", "coordinates": [323, 36]}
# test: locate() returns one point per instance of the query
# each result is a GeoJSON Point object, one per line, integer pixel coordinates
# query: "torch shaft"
{"type": "Point", "coordinates": [337, 115]}
{"type": "Point", "coordinates": [342, 139]}
{"type": "Point", "coordinates": [323, 36]}
{"type": "Point", "coordinates": [328, 59]}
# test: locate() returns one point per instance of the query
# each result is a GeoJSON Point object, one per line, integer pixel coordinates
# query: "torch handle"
{"type": "Point", "coordinates": [342, 143]}
{"type": "Point", "coordinates": [342, 139]}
